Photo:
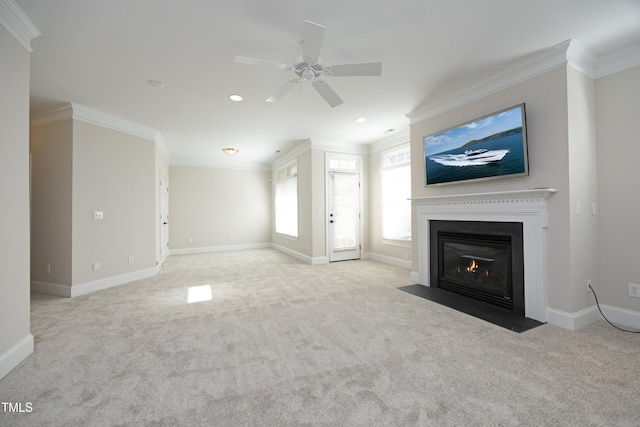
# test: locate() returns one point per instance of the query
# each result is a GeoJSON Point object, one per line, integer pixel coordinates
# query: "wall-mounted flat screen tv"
{"type": "Point", "coordinates": [493, 146]}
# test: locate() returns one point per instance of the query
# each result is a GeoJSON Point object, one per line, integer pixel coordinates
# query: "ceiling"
{"type": "Point", "coordinates": [101, 54]}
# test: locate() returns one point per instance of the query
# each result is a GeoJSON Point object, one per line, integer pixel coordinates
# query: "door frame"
{"type": "Point", "coordinates": [359, 162]}
{"type": "Point", "coordinates": [163, 197]}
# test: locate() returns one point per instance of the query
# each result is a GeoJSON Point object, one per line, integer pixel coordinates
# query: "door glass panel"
{"type": "Point", "coordinates": [345, 211]}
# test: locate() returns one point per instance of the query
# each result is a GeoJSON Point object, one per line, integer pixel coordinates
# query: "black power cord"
{"type": "Point", "coordinates": [603, 316]}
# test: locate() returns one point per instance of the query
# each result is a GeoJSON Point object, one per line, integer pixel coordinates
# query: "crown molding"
{"type": "Point", "coordinates": [582, 59]}
{"type": "Point", "coordinates": [530, 67]}
{"type": "Point", "coordinates": [88, 115]}
{"type": "Point", "coordinates": [163, 148]}
{"type": "Point", "coordinates": [55, 115]}
{"type": "Point", "coordinates": [291, 154]}
{"type": "Point", "coordinates": [618, 61]}
{"type": "Point", "coordinates": [18, 23]}
{"type": "Point", "coordinates": [340, 147]}
{"type": "Point", "coordinates": [236, 166]}
{"type": "Point", "coordinates": [568, 53]}
{"type": "Point", "coordinates": [401, 137]}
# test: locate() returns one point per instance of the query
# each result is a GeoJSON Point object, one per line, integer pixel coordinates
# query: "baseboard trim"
{"type": "Point", "coordinates": [415, 277]}
{"type": "Point", "coordinates": [319, 260]}
{"type": "Point", "coordinates": [397, 262]}
{"type": "Point", "coordinates": [51, 288]}
{"type": "Point", "coordinates": [93, 286]}
{"type": "Point", "coordinates": [573, 321]}
{"type": "Point", "coordinates": [621, 316]}
{"type": "Point", "coordinates": [16, 354]}
{"type": "Point", "coordinates": [226, 248]}
{"type": "Point", "coordinates": [109, 282]}
{"type": "Point", "coordinates": [300, 256]}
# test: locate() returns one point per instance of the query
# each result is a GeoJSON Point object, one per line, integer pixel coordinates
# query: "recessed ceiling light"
{"type": "Point", "coordinates": [155, 83]}
{"type": "Point", "coordinates": [361, 120]}
{"type": "Point", "coordinates": [236, 98]}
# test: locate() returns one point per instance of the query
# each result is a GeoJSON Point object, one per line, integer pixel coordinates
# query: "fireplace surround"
{"type": "Point", "coordinates": [526, 207]}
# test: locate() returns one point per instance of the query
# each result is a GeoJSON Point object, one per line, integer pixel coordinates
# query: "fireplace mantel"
{"type": "Point", "coordinates": [526, 206]}
{"type": "Point", "coordinates": [532, 193]}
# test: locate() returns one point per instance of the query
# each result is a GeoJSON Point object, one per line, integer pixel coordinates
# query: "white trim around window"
{"type": "Point", "coordinates": [286, 200]}
{"type": "Point", "coordinates": [395, 187]}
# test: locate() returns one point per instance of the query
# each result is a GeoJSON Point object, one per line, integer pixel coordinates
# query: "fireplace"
{"type": "Point", "coordinates": [479, 259]}
{"type": "Point", "coordinates": [527, 207]}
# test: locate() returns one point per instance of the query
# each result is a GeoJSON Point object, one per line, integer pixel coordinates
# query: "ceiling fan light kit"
{"type": "Point", "coordinates": [309, 66]}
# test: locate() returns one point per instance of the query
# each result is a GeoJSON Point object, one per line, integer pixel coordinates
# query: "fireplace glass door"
{"type": "Point", "coordinates": [476, 265]}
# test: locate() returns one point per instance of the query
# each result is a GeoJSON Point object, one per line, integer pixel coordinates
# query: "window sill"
{"type": "Point", "coordinates": [287, 236]}
{"type": "Point", "coordinates": [402, 243]}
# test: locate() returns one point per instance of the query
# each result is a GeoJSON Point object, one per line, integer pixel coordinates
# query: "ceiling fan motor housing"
{"type": "Point", "coordinates": [308, 71]}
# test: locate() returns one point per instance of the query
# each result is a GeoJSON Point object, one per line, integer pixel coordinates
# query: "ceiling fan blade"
{"type": "Point", "coordinates": [312, 41]}
{"type": "Point", "coordinates": [284, 89]}
{"type": "Point", "coordinates": [347, 70]}
{"type": "Point", "coordinates": [327, 93]}
{"type": "Point", "coordinates": [261, 63]}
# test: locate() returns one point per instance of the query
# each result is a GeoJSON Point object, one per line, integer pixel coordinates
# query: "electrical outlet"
{"type": "Point", "coordinates": [634, 290]}
{"type": "Point", "coordinates": [96, 266]}
{"type": "Point", "coordinates": [131, 260]}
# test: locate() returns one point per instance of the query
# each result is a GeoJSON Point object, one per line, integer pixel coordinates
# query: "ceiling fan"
{"type": "Point", "coordinates": [309, 66]}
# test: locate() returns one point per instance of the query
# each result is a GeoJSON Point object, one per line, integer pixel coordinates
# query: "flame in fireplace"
{"type": "Point", "coordinates": [473, 266]}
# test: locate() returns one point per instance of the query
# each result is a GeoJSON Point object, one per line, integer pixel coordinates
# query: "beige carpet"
{"type": "Point", "coordinates": [284, 343]}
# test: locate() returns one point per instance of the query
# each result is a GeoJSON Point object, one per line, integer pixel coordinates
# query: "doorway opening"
{"type": "Point", "coordinates": [344, 196]}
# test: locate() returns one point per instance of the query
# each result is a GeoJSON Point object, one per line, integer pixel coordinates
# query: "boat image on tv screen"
{"type": "Point", "coordinates": [489, 147]}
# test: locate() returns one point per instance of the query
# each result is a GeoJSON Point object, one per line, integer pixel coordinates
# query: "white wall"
{"type": "Point", "coordinates": [16, 342]}
{"type": "Point", "coordinates": [78, 168]}
{"type": "Point", "coordinates": [113, 172]}
{"type": "Point", "coordinates": [618, 130]}
{"type": "Point", "coordinates": [583, 187]}
{"type": "Point", "coordinates": [218, 208]}
{"type": "Point", "coordinates": [51, 202]}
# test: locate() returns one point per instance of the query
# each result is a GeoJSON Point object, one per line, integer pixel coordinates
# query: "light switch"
{"type": "Point", "coordinates": [578, 208]}
{"type": "Point", "coordinates": [594, 208]}
{"type": "Point", "coordinates": [98, 215]}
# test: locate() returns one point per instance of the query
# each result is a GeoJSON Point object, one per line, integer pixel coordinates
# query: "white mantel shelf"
{"type": "Point", "coordinates": [532, 193]}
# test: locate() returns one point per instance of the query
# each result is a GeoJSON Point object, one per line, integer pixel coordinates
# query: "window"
{"type": "Point", "coordinates": [286, 200]}
{"type": "Point", "coordinates": [396, 192]}
{"type": "Point", "coordinates": [344, 165]}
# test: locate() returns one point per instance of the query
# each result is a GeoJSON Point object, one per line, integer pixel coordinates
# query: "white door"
{"type": "Point", "coordinates": [344, 214]}
{"type": "Point", "coordinates": [164, 218]}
